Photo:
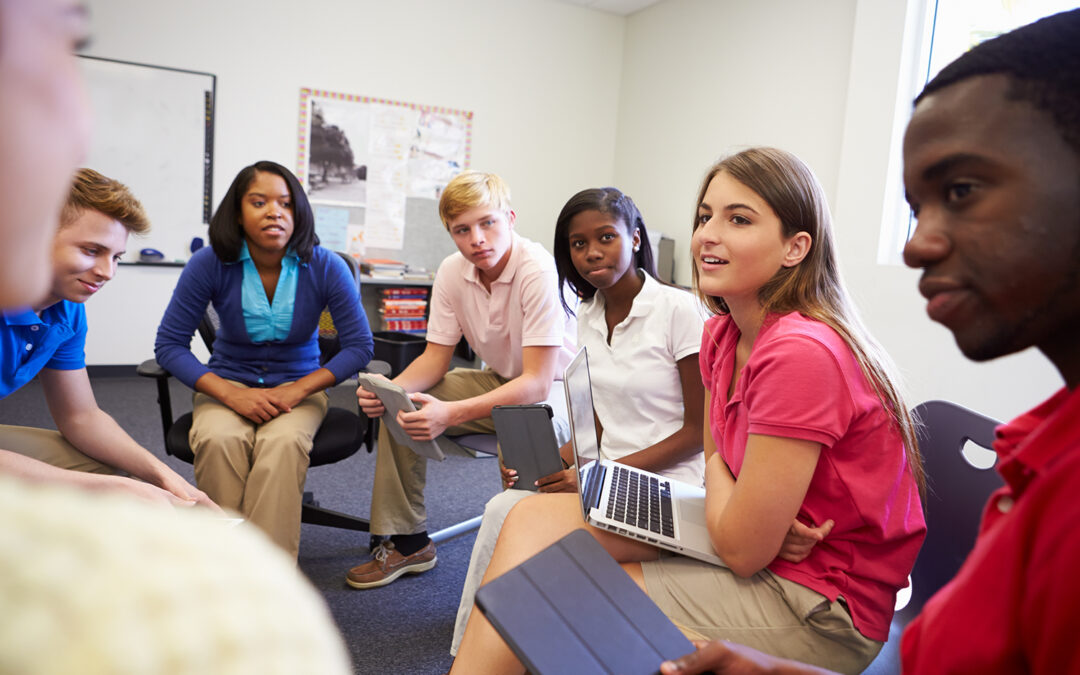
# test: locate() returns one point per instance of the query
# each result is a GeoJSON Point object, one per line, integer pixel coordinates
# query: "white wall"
{"type": "Point", "coordinates": [887, 295]}
{"type": "Point", "coordinates": [705, 78]}
{"type": "Point", "coordinates": [567, 98]}
{"type": "Point", "coordinates": [541, 77]}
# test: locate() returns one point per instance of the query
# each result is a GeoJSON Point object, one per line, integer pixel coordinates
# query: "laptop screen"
{"type": "Point", "coordinates": [579, 404]}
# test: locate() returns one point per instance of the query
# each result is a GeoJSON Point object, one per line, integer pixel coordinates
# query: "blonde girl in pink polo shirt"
{"type": "Point", "coordinates": [804, 423]}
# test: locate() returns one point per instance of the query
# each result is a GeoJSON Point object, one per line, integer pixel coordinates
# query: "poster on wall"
{"type": "Point", "coordinates": [361, 158]}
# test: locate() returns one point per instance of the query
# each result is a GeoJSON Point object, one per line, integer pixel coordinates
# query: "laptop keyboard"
{"type": "Point", "coordinates": [641, 501]}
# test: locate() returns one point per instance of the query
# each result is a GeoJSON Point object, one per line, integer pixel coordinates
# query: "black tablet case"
{"type": "Point", "coordinates": [572, 609]}
{"type": "Point", "coordinates": [527, 442]}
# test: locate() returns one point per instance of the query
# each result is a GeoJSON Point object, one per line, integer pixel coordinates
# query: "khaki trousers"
{"type": "Point", "coordinates": [50, 447]}
{"type": "Point", "coordinates": [765, 611]}
{"type": "Point", "coordinates": [397, 498]}
{"type": "Point", "coordinates": [257, 470]}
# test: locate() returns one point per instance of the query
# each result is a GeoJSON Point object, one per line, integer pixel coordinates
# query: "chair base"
{"type": "Point", "coordinates": [313, 514]}
{"type": "Point", "coordinates": [456, 530]}
{"type": "Point", "coordinates": [442, 535]}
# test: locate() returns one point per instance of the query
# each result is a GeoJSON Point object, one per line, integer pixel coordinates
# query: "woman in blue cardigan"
{"type": "Point", "coordinates": [261, 398]}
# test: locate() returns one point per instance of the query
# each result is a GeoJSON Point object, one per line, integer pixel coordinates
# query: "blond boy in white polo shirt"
{"type": "Point", "coordinates": [500, 291]}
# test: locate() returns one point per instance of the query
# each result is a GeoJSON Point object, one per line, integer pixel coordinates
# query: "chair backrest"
{"type": "Point", "coordinates": [354, 267]}
{"type": "Point", "coordinates": [329, 342]}
{"type": "Point", "coordinates": [956, 493]}
{"type": "Point", "coordinates": [208, 327]}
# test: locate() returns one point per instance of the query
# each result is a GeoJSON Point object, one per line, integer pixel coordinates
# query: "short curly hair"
{"type": "Point", "coordinates": [1042, 61]}
{"type": "Point", "coordinates": [91, 191]}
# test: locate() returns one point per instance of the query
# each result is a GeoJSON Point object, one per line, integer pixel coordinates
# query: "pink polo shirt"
{"type": "Point", "coordinates": [522, 309]}
{"type": "Point", "coordinates": [802, 381]}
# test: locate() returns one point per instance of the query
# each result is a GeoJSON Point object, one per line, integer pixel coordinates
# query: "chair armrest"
{"type": "Point", "coordinates": [377, 367]}
{"type": "Point", "coordinates": [150, 368]}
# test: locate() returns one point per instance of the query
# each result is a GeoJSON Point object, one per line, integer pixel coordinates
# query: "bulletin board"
{"type": "Point", "coordinates": [154, 131]}
{"type": "Point", "coordinates": [374, 170]}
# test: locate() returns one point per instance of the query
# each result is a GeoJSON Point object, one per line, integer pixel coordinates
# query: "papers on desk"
{"type": "Point", "coordinates": [393, 269]}
{"type": "Point", "coordinates": [383, 267]}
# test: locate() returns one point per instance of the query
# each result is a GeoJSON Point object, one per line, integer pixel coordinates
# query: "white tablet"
{"type": "Point", "coordinates": [395, 399]}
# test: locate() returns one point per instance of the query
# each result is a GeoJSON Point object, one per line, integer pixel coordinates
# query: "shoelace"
{"type": "Point", "coordinates": [383, 550]}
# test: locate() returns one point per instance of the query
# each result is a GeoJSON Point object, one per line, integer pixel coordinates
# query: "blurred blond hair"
{"type": "Point", "coordinates": [103, 583]}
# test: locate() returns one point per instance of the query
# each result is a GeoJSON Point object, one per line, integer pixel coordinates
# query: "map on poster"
{"type": "Point", "coordinates": [362, 158]}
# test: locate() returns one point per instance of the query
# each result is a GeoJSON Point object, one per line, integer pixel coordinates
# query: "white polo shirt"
{"type": "Point", "coordinates": [522, 309]}
{"type": "Point", "coordinates": [636, 387]}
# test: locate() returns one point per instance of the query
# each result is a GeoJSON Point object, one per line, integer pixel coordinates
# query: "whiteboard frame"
{"type": "Point", "coordinates": [173, 237]}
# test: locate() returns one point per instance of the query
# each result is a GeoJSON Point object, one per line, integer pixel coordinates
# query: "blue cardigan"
{"type": "Point", "coordinates": [324, 282]}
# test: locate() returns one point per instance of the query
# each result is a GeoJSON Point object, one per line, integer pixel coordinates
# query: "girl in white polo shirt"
{"type": "Point", "coordinates": [628, 320]}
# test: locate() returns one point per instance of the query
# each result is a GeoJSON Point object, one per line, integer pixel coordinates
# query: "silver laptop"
{"type": "Point", "coordinates": [638, 504]}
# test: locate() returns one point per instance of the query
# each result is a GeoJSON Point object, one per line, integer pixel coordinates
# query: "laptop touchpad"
{"type": "Point", "coordinates": [692, 510]}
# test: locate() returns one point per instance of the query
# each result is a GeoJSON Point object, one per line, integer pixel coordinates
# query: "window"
{"type": "Point", "coordinates": [938, 32]}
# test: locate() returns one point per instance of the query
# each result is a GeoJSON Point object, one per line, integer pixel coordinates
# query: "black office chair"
{"type": "Point", "coordinates": [341, 434]}
{"type": "Point", "coordinates": [957, 491]}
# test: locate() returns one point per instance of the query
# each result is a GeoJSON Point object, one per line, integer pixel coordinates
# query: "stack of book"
{"type": "Point", "coordinates": [382, 267]}
{"type": "Point", "coordinates": [404, 309]}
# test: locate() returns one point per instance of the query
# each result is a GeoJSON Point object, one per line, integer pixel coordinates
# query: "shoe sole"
{"type": "Point", "coordinates": [408, 569]}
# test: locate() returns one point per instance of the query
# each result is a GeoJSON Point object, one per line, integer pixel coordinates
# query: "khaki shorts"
{"type": "Point", "coordinates": [765, 611]}
{"type": "Point", "coordinates": [46, 445]}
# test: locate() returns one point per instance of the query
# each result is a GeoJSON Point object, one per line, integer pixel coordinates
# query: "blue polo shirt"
{"type": "Point", "coordinates": [28, 343]}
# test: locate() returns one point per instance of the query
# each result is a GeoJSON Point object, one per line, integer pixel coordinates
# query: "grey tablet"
{"type": "Point", "coordinates": [395, 399]}
{"type": "Point", "coordinates": [527, 441]}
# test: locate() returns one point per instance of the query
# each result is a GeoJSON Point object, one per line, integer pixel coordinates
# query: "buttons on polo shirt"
{"type": "Point", "coordinates": [34, 328]}
{"type": "Point", "coordinates": [29, 346]}
{"type": "Point", "coordinates": [1005, 503]}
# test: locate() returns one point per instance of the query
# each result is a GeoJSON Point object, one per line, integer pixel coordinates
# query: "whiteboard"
{"type": "Point", "coordinates": [154, 132]}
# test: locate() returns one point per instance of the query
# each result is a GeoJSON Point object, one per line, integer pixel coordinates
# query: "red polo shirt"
{"type": "Point", "coordinates": [1014, 606]}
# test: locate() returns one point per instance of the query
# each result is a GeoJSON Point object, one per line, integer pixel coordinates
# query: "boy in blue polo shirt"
{"type": "Point", "coordinates": [47, 340]}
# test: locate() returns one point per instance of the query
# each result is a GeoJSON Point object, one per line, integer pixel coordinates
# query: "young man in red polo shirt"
{"type": "Point", "coordinates": [992, 170]}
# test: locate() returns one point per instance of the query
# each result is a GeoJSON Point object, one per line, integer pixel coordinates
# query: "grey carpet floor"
{"type": "Point", "coordinates": [401, 628]}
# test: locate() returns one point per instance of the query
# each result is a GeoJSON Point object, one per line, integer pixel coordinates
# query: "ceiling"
{"type": "Point", "coordinates": [620, 7]}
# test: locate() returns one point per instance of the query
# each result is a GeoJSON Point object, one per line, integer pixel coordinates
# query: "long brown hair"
{"type": "Point", "coordinates": [814, 287]}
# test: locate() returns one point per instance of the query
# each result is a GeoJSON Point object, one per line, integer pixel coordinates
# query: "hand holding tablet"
{"type": "Point", "coordinates": [527, 441]}
{"type": "Point", "coordinates": [395, 399]}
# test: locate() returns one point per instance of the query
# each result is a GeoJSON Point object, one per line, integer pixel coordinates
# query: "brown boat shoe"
{"type": "Point", "coordinates": [387, 564]}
